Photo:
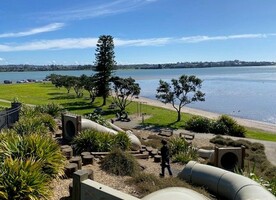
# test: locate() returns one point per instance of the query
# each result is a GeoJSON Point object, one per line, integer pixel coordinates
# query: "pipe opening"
{"type": "Point", "coordinates": [70, 128]}
{"type": "Point", "coordinates": [229, 160]}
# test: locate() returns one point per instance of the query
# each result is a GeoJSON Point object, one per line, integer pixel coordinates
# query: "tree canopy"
{"type": "Point", "coordinates": [180, 92]}
{"type": "Point", "coordinates": [125, 89]}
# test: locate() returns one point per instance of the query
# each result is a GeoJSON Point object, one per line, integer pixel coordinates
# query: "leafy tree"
{"type": "Point", "coordinates": [77, 86]}
{"type": "Point", "coordinates": [125, 90]}
{"type": "Point", "coordinates": [67, 82]}
{"type": "Point", "coordinates": [55, 79]}
{"type": "Point", "coordinates": [89, 84]}
{"type": "Point", "coordinates": [183, 91]}
{"type": "Point", "coordinates": [104, 65]}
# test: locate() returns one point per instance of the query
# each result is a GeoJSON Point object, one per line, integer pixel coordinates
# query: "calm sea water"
{"type": "Point", "coordinates": [247, 92]}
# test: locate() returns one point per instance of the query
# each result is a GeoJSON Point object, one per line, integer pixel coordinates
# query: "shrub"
{"type": "Point", "coordinates": [186, 156]}
{"type": "Point", "coordinates": [120, 163]}
{"type": "Point", "coordinates": [23, 180]}
{"type": "Point", "coordinates": [226, 125]}
{"type": "Point", "coordinates": [30, 125]}
{"type": "Point", "coordinates": [181, 151]}
{"type": "Point", "coordinates": [48, 121]}
{"type": "Point", "coordinates": [37, 147]}
{"type": "Point", "coordinates": [121, 141]}
{"type": "Point", "coordinates": [52, 109]}
{"type": "Point", "coordinates": [90, 140]}
{"type": "Point", "coordinates": [198, 124]}
{"type": "Point", "coordinates": [177, 145]}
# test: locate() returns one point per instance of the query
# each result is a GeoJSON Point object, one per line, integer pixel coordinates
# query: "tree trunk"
{"type": "Point", "coordinates": [178, 115]}
{"type": "Point", "coordinates": [104, 100]}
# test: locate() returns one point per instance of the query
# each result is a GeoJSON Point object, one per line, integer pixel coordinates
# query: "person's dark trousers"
{"type": "Point", "coordinates": [163, 166]}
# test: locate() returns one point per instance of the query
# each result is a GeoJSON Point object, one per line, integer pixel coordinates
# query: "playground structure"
{"type": "Point", "coordinates": [72, 125]}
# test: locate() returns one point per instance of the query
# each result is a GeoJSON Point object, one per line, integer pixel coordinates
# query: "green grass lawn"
{"type": "Point", "coordinates": [44, 93]}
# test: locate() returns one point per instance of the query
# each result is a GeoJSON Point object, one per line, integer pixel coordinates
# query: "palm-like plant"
{"type": "Point", "coordinates": [23, 179]}
{"type": "Point", "coordinates": [39, 147]}
{"type": "Point", "coordinates": [90, 140]}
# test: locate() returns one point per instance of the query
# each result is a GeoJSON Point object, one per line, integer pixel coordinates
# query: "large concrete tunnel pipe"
{"type": "Point", "coordinates": [175, 193]}
{"type": "Point", "coordinates": [207, 154]}
{"type": "Point", "coordinates": [224, 183]}
{"type": "Point", "coordinates": [88, 124]}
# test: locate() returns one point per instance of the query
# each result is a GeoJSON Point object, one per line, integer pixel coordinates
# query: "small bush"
{"type": "Point", "coordinates": [181, 151]}
{"type": "Point", "coordinates": [121, 141]}
{"type": "Point", "coordinates": [52, 109]}
{"type": "Point", "coordinates": [37, 147]}
{"type": "Point", "coordinates": [226, 125]}
{"type": "Point", "coordinates": [90, 140]}
{"type": "Point", "coordinates": [30, 125]}
{"type": "Point", "coordinates": [186, 156]}
{"type": "Point", "coordinates": [120, 163]}
{"type": "Point", "coordinates": [49, 122]}
{"type": "Point", "coordinates": [23, 180]}
{"type": "Point", "coordinates": [198, 124]}
{"type": "Point", "coordinates": [177, 145]}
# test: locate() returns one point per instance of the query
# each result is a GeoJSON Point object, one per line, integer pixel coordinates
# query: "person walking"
{"type": "Point", "coordinates": [165, 158]}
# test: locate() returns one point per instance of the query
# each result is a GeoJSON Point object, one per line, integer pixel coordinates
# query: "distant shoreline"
{"type": "Point", "coordinates": [265, 126]}
{"type": "Point", "coordinates": [178, 65]}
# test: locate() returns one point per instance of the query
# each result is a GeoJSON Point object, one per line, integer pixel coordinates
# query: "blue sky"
{"type": "Point", "coordinates": [144, 31]}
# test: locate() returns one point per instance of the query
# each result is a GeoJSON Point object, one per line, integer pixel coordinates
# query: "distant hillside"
{"type": "Point", "coordinates": [18, 68]}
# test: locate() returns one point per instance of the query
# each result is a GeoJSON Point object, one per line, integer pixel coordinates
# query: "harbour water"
{"type": "Point", "coordinates": [246, 92]}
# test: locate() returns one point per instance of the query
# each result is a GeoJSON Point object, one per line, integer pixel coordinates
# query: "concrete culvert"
{"type": "Point", "coordinates": [70, 128]}
{"type": "Point", "coordinates": [229, 161]}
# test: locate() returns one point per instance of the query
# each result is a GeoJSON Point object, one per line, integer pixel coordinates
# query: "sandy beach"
{"type": "Point", "coordinates": [245, 122]}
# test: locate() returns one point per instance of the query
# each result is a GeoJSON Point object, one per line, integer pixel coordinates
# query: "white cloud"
{"type": "Point", "coordinates": [2, 59]}
{"type": "Point", "coordinates": [95, 10]}
{"type": "Point", "coordinates": [34, 31]}
{"type": "Point", "coordinates": [196, 39]}
{"type": "Point", "coordinates": [142, 42]}
{"type": "Point", "coordinates": [82, 43]}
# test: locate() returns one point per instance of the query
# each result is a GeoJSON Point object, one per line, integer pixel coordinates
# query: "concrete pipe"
{"type": "Point", "coordinates": [204, 153]}
{"type": "Point", "coordinates": [224, 183]}
{"type": "Point", "coordinates": [88, 124]}
{"type": "Point", "coordinates": [175, 193]}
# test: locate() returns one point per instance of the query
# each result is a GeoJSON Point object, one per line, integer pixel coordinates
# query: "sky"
{"type": "Point", "coordinates": [145, 31]}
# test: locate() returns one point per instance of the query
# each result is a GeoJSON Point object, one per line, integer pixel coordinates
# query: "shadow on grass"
{"type": "Point", "coordinates": [62, 96]}
{"type": "Point", "coordinates": [79, 105]}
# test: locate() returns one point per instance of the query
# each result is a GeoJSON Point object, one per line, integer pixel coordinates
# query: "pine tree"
{"type": "Point", "coordinates": [105, 64]}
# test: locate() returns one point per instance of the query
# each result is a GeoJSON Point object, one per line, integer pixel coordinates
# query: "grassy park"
{"type": "Point", "coordinates": [44, 93]}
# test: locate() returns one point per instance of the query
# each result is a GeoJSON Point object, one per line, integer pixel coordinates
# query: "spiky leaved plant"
{"type": "Point", "coordinates": [121, 141]}
{"type": "Point", "coordinates": [52, 109]}
{"type": "Point", "coordinates": [39, 147]}
{"type": "Point", "coordinates": [23, 179]}
{"type": "Point", "coordinates": [120, 163]}
{"type": "Point", "coordinates": [90, 140]}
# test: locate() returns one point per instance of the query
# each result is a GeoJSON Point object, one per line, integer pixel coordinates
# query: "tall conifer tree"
{"type": "Point", "coordinates": [105, 64]}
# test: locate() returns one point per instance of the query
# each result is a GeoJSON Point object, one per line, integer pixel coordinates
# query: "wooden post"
{"type": "Point", "coordinates": [78, 177]}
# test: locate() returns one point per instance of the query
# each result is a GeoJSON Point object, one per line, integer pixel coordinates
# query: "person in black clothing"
{"type": "Point", "coordinates": [165, 159]}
